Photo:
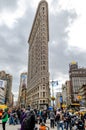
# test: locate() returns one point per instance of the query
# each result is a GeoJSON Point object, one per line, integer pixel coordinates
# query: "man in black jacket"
{"type": "Point", "coordinates": [29, 121]}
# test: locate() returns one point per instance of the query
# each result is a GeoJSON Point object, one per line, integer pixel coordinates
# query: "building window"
{"type": "Point", "coordinates": [43, 101]}
{"type": "Point", "coordinates": [43, 51]}
{"type": "Point", "coordinates": [43, 94]}
{"type": "Point", "coordinates": [43, 67]}
{"type": "Point", "coordinates": [43, 79]}
{"type": "Point", "coordinates": [40, 101]}
{"type": "Point", "coordinates": [43, 8]}
{"type": "Point", "coordinates": [44, 62]}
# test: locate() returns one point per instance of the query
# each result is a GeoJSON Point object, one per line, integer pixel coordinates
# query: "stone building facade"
{"type": "Point", "coordinates": [8, 88]}
{"type": "Point", "coordinates": [38, 74]}
{"type": "Point", "coordinates": [2, 95]}
{"type": "Point", "coordinates": [22, 90]}
{"type": "Point", "coordinates": [82, 95]}
{"type": "Point", "coordinates": [66, 93]}
{"type": "Point", "coordinates": [77, 77]}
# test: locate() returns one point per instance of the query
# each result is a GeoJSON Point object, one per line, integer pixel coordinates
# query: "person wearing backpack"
{"type": "Point", "coordinates": [68, 121]}
{"type": "Point", "coordinates": [29, 121]}
{"type": "Point", "coordinates": [57, 117]}
{"type": "Point", "coordinates": [80, 125]}
{"type": "Point", "coordinates": [42, 126]}
{"type": "Point", "coordinates": [52, 119]}
{"type": "Point", "coordinates": [4, 118]}
{"type": "Point", "coordinates": [22, 115]}
{"type": "Point", "coordinates": [60, 122]}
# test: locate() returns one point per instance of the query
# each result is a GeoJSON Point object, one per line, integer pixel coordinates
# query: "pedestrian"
{"type": "Point", "coordinates": [52, 119]}
{"type": "Point", "coordinates": [11, 119]}
{"type": "Point", "coordinates": [80, 125]}
{"type": "Point", "coordinates": [23, 115]}
{"type": "Point", "coordinates": [60, 122]}
{"type": "Point", "coordinates": [42, 126]}
{"type": "Point", "coordinates": [19, 114]}
{"type": "Point", "coordinates": [4, 118]}
{"type": "Point", "coordinates": [28, 122]}
{"type": "Point", "coordinates": [44, 116]}
{"type": "Point", "coordinates": [68, 121]}
{"type": "Point", "coordinates": [57, 117]}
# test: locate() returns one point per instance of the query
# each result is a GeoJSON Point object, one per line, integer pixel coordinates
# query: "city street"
{"type": "Point", "coordinates": [10, 127]}
{"type": "Point", "coordinates": [16, 127]}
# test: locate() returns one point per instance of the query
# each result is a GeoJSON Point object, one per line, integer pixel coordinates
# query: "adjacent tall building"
{"type": "Point", "coordinates": [66, 93]}
{"type": "Point", "coordinates": [77, 77]}
{"type": "Point", "coordinates": [6, 79]}
{"type": "Point", "coordinates": [22, 90]}
{"type": "Point", "coordinates": [38, 91]}
{"type": "Point", "coordinates": [82, 95]}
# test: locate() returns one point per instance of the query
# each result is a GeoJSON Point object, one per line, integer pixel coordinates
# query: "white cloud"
{"type": "Point", "coordinates": [67, 30]}
{"type": "Point", "coordinates": [10, 18]}
{"type": "Point", "coordinates": [77, 30]}
{"type": "Point", "coordinates": [78, 33]}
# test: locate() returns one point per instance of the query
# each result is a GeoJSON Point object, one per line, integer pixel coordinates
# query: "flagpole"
{"type": "Point", "coordinates": [53, 98]}
{"type": "Point", "coordinates": [52, 94]}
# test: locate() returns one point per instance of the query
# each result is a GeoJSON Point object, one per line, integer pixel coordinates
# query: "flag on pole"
{"type": "Point", "coordinates": [54, 83]}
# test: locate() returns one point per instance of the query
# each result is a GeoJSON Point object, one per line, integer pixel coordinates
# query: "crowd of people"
{"type": "Point", "coordinates": [28, 118]}
{"type": "Point", "coordinates": [67, 120]}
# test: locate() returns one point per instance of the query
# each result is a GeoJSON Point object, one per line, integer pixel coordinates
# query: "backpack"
{"type": "Point", "coordinates": [69, 118]}
{"type": "Point", "coordinates": [57, 118]}
{"type": "Point", "coordinates": [42, 128]}
{"type": "Point", "coordinates": [27, 122]}
{"type": "Point", "coordinates": [80, 125]}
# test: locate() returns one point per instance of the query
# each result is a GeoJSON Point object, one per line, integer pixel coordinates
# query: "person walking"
{"type": "Point", "coordinates": [23, 115]}
{"type": "Point", "coordinates": [44, 116]}
{"type": "Point", "coordinates": [28, 122]}
{"type": "Point", "coordinates": [60, 122]}
{"type": "Point", "coordinates": [4, 118]}
{"type": "Point", "coordinates": [52, 119]}
{"type": "Point", "coordinates": [68, 121]}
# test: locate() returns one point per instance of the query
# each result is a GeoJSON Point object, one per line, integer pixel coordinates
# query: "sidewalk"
{"type": "Point", "coordinates": [0, 121]}
{"type": "Point", "coordinates": [16, 127]}
{"type": "Point", "coordinates": [48, 124]}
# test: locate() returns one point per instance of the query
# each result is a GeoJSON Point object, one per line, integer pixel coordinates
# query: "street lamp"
{"type": "Point", "coordinates": [53, 98]}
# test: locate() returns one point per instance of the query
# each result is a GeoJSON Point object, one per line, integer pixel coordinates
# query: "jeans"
{"type": "Point", "coordinates": [52, 123]}
{"type": "Point", "coordinates": [11, 120]}
{"type": "Point", "coordinates": [60, 125]}
{"type": "Point", "coordinates": [68, 125]}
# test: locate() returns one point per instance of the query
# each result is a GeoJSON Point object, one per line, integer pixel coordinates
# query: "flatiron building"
{"type": "Point", "coordinates": [38, 91]}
